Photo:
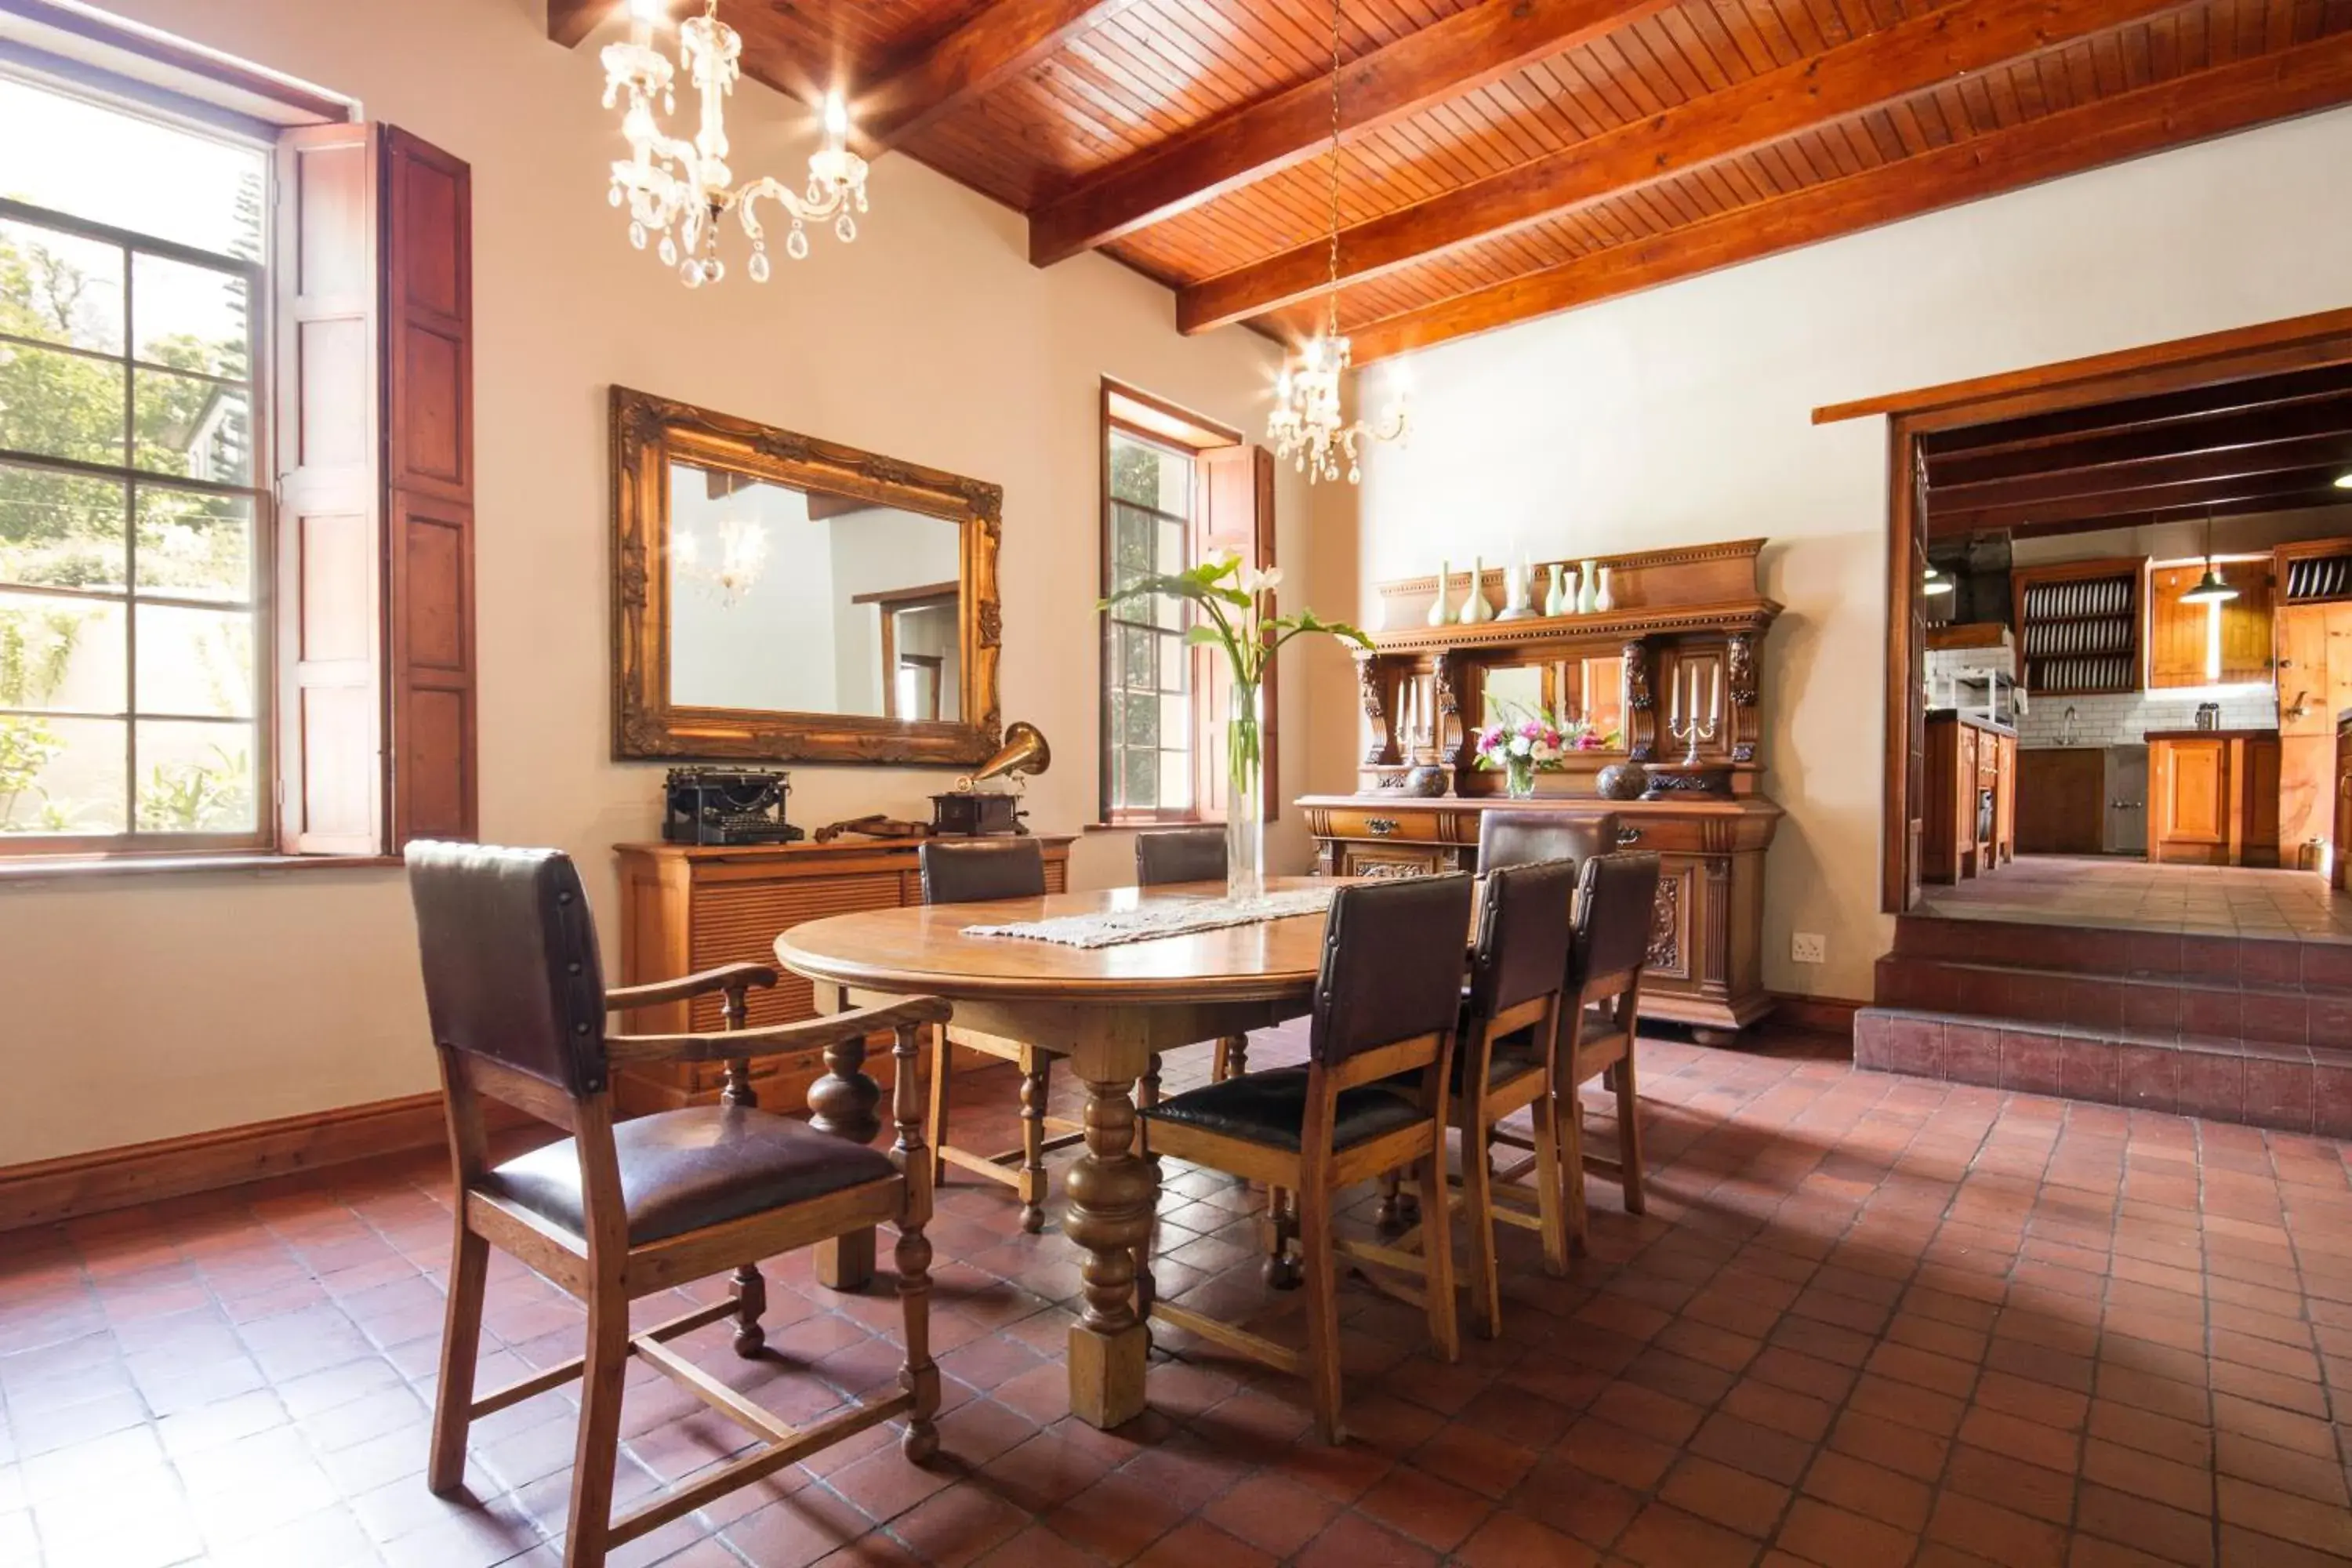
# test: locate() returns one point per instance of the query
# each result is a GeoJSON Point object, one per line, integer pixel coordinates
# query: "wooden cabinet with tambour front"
{"type": "Point", "coordinates": [2213, 797]}
{"type": "Point", "coordinates": [1679, 651]}
{"type": "Point", "coordinates": [688, 907]}
{"type": "Point", "coordinates": [2339, 874]}
{"type": "Point", "coordinates": [2313, 627]}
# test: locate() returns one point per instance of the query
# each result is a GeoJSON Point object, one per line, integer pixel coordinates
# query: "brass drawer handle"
{"type": "Point", "coordinates": [1381, 826]}
{"type": "Point", "coordinates": [1629, 836]}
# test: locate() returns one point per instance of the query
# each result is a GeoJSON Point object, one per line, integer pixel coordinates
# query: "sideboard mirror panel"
{"type": "Point", "coordinates": [780, 598]}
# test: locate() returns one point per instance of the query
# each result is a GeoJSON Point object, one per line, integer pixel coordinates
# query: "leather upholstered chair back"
{"type": "Point", "coordinates": [509, 957]}
{"type": "Point", "coordinates": [1517, 837]}
{"type": "Point", "coordinates": [1613, 916]}
{"type": "Point", "coordinates": [1523, 934]}
{"type": "Point", "coordinates": [980, 870]}
{"type": "Point", "coordinates": [1180, 855]}
{"type": "Point", "coordinates": [1392, 960]}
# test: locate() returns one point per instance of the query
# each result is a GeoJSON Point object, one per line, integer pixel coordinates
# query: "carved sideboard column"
{"type": "Point", "coordinates": [1372, 687]}
{"type": "Point", "coordinates": [1641, 706]}
{"type": "Point", "coordinates": [1449, 737]}
{"type": "Point", "coordinates": [1747, 706]}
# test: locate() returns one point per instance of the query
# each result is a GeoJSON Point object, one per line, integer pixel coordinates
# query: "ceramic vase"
{"type": "Point", "coordinates": [1476, 611]}
{"type": "Point", "coordinates": [1567, 595]}
{"type": "Point", "coordinates": [1515, 592]}
{"type": "Point", "coordinates": [1603, 600]}
{"type": "Point", "coordinates": [1588, 589]}
{"type": "Point", "coordinates": [1555, 600]}
{"type": "Point", "coordinates": [1437, 616]}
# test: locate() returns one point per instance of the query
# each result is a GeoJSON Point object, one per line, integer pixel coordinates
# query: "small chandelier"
{"type": "Point", "coordinates": [1304, 425]}
{"type": "Point", "coordinates": [676, 190]}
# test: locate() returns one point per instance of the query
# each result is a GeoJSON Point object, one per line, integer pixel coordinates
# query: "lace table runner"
{"type": "Point", "coordinates": [1163, 917]}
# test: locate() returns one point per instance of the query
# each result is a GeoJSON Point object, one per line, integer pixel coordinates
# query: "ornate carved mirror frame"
{"type": "Point", "coordinates": [650, 433]}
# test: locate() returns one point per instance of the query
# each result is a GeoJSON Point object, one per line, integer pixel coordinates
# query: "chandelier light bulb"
{"type": "Point", "coordinates": [836, 119]}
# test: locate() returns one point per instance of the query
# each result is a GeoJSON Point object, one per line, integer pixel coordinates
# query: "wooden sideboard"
{"type": "Point", "coordinates": [686, 907]}
{"type": "Point", "coordinates": [1681, 621]}
{"type": "Point", "coordinates": [1706, 959]}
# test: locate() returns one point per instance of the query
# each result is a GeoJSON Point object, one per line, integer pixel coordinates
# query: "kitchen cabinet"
{"type": "Point", "coordinates": [2062, 800]}
{"type": "Point", "coordinates": [2343, 801]}
{"type": "Point", "coordinates": [2214, 797]}
{"type": "Point", "coordinates": [2315, 685]}
{"type": "Point", "coordinates": [1969, 823]}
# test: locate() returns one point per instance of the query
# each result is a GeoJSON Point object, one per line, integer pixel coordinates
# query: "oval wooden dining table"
{"type": "Point", "coordinates": [1109, 1010]}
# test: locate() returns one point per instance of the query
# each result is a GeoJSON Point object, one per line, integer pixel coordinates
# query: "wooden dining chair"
{"type": "Point", "coordinates": [980, 871]}
{"type": "Point", "coordinates": [1507, 837]}
{"type": "Point", "coordinates": [1187, 855]}
{"type": "Point", "coordinates": [1386, 1003]}
{"type": "Point", "coordinates": [618, 1211]}
{"type": "Point", "coordinates": [1607, 953]}
{"type": "Point", "coordinates": [1504, 1063]}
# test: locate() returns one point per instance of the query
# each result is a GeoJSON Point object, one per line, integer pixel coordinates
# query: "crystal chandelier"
{"type": "Point", "coordinates": [742, 556]}
{"type": "Point", "coordinates": [1306, 425]}
{"type": "Point", "coordinates": [676, 191]}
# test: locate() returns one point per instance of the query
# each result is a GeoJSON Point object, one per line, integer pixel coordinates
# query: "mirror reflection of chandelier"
{"type": "Point", "coordinates": [742, 556]}
{"type": "Point", "coordinates": [678, 190]}
{"type": "Point", "coordinates": [1306, 425]}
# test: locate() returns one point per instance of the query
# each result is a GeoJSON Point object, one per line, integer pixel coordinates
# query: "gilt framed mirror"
{"type": "Point", "coordinates": [780, 599]}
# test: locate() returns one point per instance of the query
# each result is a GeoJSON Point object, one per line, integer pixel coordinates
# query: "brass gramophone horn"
{"type": "Point", "coordinates": [1024, 752]}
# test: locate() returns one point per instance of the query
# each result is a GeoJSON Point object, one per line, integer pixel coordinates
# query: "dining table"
{"type": "Point", "coordinates": [1110, 1011]}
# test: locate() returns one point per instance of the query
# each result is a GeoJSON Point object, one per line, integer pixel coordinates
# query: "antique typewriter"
{"type": "Point", "coordinates": [728, 806]}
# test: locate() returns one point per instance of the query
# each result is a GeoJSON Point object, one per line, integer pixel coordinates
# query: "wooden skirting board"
{"type": "Point", "coordinates": [1827, 1015]}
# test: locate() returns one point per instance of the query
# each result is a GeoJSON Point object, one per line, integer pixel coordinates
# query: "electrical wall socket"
{"type": "Point", "coordinates": [1808, 947]}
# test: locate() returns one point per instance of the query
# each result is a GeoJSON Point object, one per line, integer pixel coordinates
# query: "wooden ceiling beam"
{"type": "Point", "coordinates": [1007, 40]}
{"type": "Point", "coordinates": [1855, 78]}
{"type": "Point", "coordinates": [2333, 452]}
{"type": "Point", "coordinates": [1460, 54]}
{"type": "Point", "coordinates": [2322, 416]}
{"type": "Point", "coordinates": [569, 22]}
{"type": "Point", "coordinates": [2292, 500]}
{"type": "Point", "coordinates": [2211, 102]}
{"type": "Point", "coordinates": [2193, 495]}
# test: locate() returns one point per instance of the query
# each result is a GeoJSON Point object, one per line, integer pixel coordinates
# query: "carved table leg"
{"type": "Point", "coordinates": [841, 1101]}
{"type": "Point", "coordinates": [1112, 1193]}
{"type": "Point", "coordinates": [751, 1290]}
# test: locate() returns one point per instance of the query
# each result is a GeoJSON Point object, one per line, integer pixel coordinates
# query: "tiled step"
{"type": "Point", "coordinates": [2229, 1006]}
{"type": "Point", "coordinates": [2291, 1087]}
{"type": "Point", "coordinates": [2089, 949]}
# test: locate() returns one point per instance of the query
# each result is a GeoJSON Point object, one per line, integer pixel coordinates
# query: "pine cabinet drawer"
{"type": "Point", "coordinates": [1413, 826]}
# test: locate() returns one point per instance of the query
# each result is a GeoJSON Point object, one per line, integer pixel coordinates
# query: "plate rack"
{"type": "Point", "coordinates": [2078, 626]}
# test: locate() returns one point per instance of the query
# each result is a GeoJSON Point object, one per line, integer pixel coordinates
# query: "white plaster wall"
{"type": "Point", "coordinates": [139, 1008]}
{"type": "Point", "coordinates": [1682, 414]}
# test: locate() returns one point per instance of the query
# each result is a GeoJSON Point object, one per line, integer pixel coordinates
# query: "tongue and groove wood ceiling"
{"type": "Point", "coordinates": [1506, 159]}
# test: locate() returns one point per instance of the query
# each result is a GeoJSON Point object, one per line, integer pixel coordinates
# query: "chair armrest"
{"type": "Point", "coordinates": [775, 1039]}
{"type": "Point", "coordinates": [726, 977]}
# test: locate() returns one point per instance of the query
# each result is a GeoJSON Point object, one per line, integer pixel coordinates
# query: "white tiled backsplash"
{"type": "Point", "coordinates": [2124, 718]}
{"type": "Point", "coordinates": [1946, 662]}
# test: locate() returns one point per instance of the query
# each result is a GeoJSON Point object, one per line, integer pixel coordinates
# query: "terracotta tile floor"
{"type": "Point", "coordinates": [2222, 901]}
{"type": "Point", "coordinates": [1868, 1320]}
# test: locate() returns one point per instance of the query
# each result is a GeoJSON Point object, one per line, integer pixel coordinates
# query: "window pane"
{"type": "Point", "coordinates": [129, 172]}
{"type": "Point", "coordinates": [61, 775]}
{"type": "Point", "coordinates": [1135, 660]}
{"type": "Point", "coordinates": [1175, 721]}
{"type": "Point", "coordinates": [60, 531]}
{"type": "Point", "coordinates": [1134, 470]}
{"type": "Point", "coordinates": [196, 661]}
{"type": "Point", "coordinates": [1175, 665]}
{"type": "Point", "coordinates": [1139, 724]}
{"type": "Point", "coordinates": [190, 318]}
{"type": "Point", "coordinates": [60, 288]}
{"type": "Point", "coordinates": [195, 778]}
{"type": "Point", "coordinates": [1175, 781]}
{"type": "Point", "coordinates": [1131, 539]}
{"type": "Point", "coordinates": [188, 426]}
{"type": "Point", "coordinates": [195, 546]}
{"type": "Point", "coordinates": [61, 653]}
{"type": "Point", "coordinates": [60, 404]}
{"type": "Point", "coordinates": [1141, 773]}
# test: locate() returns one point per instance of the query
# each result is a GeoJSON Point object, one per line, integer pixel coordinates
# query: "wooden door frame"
{"type": "Point", "coordinates": [2300, 343]}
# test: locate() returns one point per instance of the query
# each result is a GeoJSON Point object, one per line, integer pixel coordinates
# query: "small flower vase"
{"type": "Point", "coordinates": [1568, 595]}
{"type": "Point", "coordinates": [1555, 601]}
{"type": "Point", "coordinates": [1437, 616]}
{"type": "Point", "coordinates": [1476, 611]}
{"type": "Point", "coordinates": [1519, 777]}
{"type": "Point", "coordinates": [1603, 600]}
{"type": "Point", "coordinates": [1245, 795]}
{"type": "Point", "coordinates": [1587, 592]}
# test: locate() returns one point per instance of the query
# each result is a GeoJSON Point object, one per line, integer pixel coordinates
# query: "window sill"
{"type": "Point", "coordinates": [70, 868]}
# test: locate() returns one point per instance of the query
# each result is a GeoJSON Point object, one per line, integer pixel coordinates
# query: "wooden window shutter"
{"type": "Point", "coordinates": [428, 488]}
{"type": "Point", "coordinates": [2176, 632]}
{"type": "Point", "coordinates": [1237, 515]}
{"type": "Point", "coordinates": [330, 562]}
